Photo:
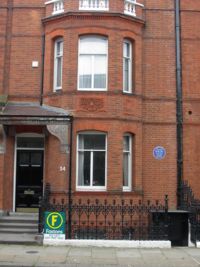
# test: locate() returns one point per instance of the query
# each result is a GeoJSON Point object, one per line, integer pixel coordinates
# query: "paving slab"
{"type": "Point", "coordinates": [183, 263]}
{"type": "Point", "coordinates": [79, 260]}
{"type": "Point", "coordinates": [128, 253]}
{"type": "Point", "coordinates": [174, 254]}
{"type": "Point", "coordinates": [105, 261]}
{"type": "Point", "coordinates": [57, 250]}
{"type": "Point", "coordinates": [87, 252]}
{"type": "Point", "coordinates": [191, 251]}
{"type": "Point", "coordinates": [21, 259]}
{"type": "Point", "coordinates": [52, 258]}
{"type": "Point", "coordinates": [6, 258]}
{"type": "Point", "coordinates": [105, 253]}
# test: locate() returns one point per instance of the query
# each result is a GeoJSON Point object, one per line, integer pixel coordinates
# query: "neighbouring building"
{"type": "Point", "coordinates": [98, 97]}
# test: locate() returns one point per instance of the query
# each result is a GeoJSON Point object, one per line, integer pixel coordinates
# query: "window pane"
{"type": "Point", "coordinates": [125, 170]}
{"type": "Point", "coordinates": [93, 45]}
{"type": "Point", "coordinates": [59, 46]}
{"type": "Point", "coordinates": [58, 63]}
{"type": "Point", "coordinates": [59, 72]}
{"type": "Point", "coordinates": [126, 49]}
{"type": "Point", "coordinates": [99, 169]}
{"type": "Point", "coordinates": [127, 61]}
{"type": "Point", "coordinates": [85, 71]}
{"type": "Point", "coordinates": [30, 142]}
{"type": "Point", "coordinates": [95, 141]}
{"type": "Point", "coordinates": [100, 81]}
{"type": "Point", "coordinates": [100, 66]}
{"type": "Point", "coordinates": [84, 168]}
{"type": "Point", "coordinates": [126, 75]}
{"type": "Point", "coordinates": [126, 143]}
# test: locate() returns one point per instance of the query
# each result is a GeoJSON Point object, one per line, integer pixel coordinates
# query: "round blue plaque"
{"type": "Point", "coordinates": [159, 152]}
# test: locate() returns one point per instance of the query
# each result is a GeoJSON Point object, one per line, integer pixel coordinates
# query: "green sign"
{"type": "Point", "coordinates": [54, 227]}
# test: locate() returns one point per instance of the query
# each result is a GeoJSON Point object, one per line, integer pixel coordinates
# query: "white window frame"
{"type": "Point", "coordinates": [130, 63]}
{"type": "Point", "coordinates": [129, 153]}
{"type": "Point", "coordinates": [56, 57]}
{"type": "Point", "coordinates": [93, 62]}
{"type": "Point", "coordinates": [91, 187]}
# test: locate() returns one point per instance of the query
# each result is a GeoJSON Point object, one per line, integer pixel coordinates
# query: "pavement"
{"type": "Point", "coordinates": [43, 256]}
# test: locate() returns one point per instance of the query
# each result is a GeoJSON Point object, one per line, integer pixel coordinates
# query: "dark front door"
{"type": "Point", "coordinates": [29, 178]}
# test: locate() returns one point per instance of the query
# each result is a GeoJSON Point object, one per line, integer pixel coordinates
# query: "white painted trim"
{"type": "Point", "coordinates": [30, 135]}
{"type": "Point", "coordinates": [135, 3]}
{"type": "Point", "coordinates": [58, 12]}
{"type": "Point", "coordinates": [94, 9]}
{"type": "Point", "coordinates": [51, 1]}
{"type": "Point", "coordinates": [110, 243]}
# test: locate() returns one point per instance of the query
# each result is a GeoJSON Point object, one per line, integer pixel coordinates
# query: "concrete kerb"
{"type": "Point", "coordinates": [109, 243]}
{"type": "Point", "coordinates": [198, 244]}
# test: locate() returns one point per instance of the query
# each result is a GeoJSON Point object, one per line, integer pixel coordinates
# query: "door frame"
{"type": "Point", "coordinates": [34, 135]}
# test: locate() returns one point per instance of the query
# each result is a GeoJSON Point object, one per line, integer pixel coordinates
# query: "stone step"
{"type": "Point", "coordinates": [8, 219]}
{"type": "Point", "coordinates": [18, 230]}
{"type": "Point", "coordinates": [18, 225]}
{"type": "Point", "coordinates": [19, 238]}
{"type": "Point", "coordinates": [22, 214]}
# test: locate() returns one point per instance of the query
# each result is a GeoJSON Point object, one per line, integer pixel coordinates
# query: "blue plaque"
{"type": "Point", "coordinates": [159, 152]}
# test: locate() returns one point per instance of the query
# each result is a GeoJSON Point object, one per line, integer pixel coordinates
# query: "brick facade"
{"type": "Point", "coordinates": [148, 114]}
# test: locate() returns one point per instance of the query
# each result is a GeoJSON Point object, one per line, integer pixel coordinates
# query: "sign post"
{"type": "Point", "coordinates": [54, 228]}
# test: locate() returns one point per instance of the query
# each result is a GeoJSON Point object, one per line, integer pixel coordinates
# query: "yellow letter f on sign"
{"type": "Point", "coordinates": [54, 220]}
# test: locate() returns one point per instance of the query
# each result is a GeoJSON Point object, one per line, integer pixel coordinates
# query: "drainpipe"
{"type": "Point", "coordinates": [42, 71]}
{"type": "Point", "coordinates": [179, 108]}
{"type": "Point", "coordinates": [70, 182]}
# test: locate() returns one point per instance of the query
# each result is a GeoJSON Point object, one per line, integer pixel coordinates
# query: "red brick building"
{"type": "Point", "coordinates": [89, 99]}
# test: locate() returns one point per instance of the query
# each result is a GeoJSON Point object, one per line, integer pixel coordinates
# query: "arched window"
{"type": "Point", "coordinates": [91, 161]}
{"type": "Point", "coordinates": [92, 67]}
{"type": "Point", "coordinates": [58, 63]}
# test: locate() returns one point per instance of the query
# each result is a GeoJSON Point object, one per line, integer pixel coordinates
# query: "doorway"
{"type": "Point", "coordinates": [29, 173]}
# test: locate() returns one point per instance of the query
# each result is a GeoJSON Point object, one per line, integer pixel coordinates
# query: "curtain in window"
{"type": "Point", "coordinates": [85, 71]}
{"type": "Point", "coordinates": [100, 71]}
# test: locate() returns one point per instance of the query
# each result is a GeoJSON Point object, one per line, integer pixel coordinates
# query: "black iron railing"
{"type": "Point", "coordinates": [111, 220]}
